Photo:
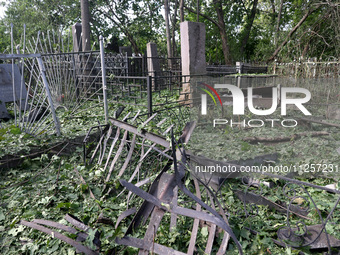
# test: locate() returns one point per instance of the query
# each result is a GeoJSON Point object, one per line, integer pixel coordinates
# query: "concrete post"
{"type": "Point", "coordinates": [153, 63]}
{"type": "Point", "coordinates": [76, 34]}
{"type": "Point", "coordinates": [192, 55]}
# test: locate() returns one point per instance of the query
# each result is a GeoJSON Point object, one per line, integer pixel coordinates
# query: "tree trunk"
{"type": "Point", "coordinates": [181, 10]}
{"type": "Point", "coordinates": [173, 30]}
{"type": "Point", "coordinates": [168, 35]}
{"type": "Point", "coordinates": [277, 32]}
{"type": "Point", "coordinates": [85, 20]}
{"type": "Point", "coordinates": [248, 27]}
{"type": "Point", "coordinates": [223, 34]}
{"type": "Point", "coordinates": [310, 11]}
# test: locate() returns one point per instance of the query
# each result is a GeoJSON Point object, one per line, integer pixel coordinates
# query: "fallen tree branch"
{"type": "Point", "coordinates": [302, 20]}
{"type": "Point", "coordinates": [283, 139]}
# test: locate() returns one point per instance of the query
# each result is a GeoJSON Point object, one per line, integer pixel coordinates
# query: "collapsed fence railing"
{"type": "Point", "coordinates": [206, 206]}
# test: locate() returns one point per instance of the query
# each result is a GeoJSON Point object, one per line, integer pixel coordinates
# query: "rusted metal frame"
{"type": "Point", "coordinates": [179, 173]}
{"type": "Point", "coordinates": [149, 136]}
{"type": "Point", "coordinates": [117, 156]}
{"type": "Point", "coordinates": [168, 129]}
{"type": "Point", "coordinates": [194, 230]}
{"type": "Point", "coordinates": [187, 132]}
{"type": "Point", "coordinates": [180, 210]}
{"type": "Point", "coordinates": [86, 138]}
{"type": "Point", "coordinates": [209, 191]}
{"type": "Point", "coordinates": [108, 135]}
{"type": "Point", "coordinates": [159, 124]}
{"type": "Point", "coordinates": [212, 230]}
{"type": "Point", "coordinates": [56, 234]}
{"type": "Point", "coordinates": [139, 164]}
{"type": "Point", "coordinates": [260, 200]}
{"type": "Point", "coordinates": [150, 234]}
{"type": "Point", "coordinates": [153, 146]}
{"type": "Point", "coordinates": [146, 207]}
{"type": "Point", "coordinates": [111, 148]}
{"type": "Point", "coordinates": [149, 119]}
{"type": "Point", "coordinates": [125, 214]}
{"type": "Point", "coordinates": [152, 247]}
{"type": "Point", "coordinates": [138, 184]}
{"type": "Point", "coordinates": [77, 223]}
{"type": "Point", "coordinates": [127, 160]}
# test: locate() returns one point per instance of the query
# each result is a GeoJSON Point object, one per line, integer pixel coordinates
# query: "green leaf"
{"type": "Point", "coordinates": [16, 231]}
{"type": "Point", "coordinates": [204, 231]}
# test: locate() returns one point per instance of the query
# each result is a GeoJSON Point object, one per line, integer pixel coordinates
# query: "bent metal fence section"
{"type": "Point", "coordinates": [26, 86]}
{"type": "Point", "coordinates": [178, 193]}
{"type": "Point", "coordinates": [45, 84]}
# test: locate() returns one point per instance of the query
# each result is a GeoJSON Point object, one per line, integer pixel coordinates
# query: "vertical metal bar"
{"type": "Point", "coordinates": [42, 71]}
{"type": "Point", "coordinates": [102, 60]}
{"type": "Point", "coordinates": [13, 82]}
{"type": "Point", "coordinates": [149, 90]}
{"type": "Point", "coordinates": [22, 82]}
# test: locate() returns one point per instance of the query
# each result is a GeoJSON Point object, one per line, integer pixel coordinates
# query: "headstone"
{"type": "Point", "coordinates": [76, 32]}
{"type": "Point", "coordinates": [153, 62]}
{"type": "Point", "coordinates": [6, 88]}
{"type": "Point", "coordinates": [192, 54]}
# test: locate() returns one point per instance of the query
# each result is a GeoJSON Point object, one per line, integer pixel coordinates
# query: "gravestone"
{"type": "Point", "coordinates": [192, 54]}
{"type": "Point", "coordinates": [6, 88]}
{"type": "Point", "coordinates": [76, 32]}
{"type": "Point", "coordinates": [153, 62]}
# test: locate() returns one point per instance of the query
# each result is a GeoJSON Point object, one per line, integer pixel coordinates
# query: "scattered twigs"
{"type": "Point", "coordinates": [283, 139]}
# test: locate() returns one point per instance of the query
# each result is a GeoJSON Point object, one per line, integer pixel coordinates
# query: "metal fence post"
{"type": "Point", "coordinates": [149, 90]}
{"type": "Point", "coordinates": [102, 60]}
{"type": "Point", "coordinates": [50, 101]}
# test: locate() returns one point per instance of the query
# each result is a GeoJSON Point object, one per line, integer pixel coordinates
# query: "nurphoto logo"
{"type": "Point", "coordinates": [279, 96]}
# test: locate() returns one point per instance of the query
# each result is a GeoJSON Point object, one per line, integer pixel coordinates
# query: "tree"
{"type": "Point", "coordinates": [131, 20]}
{"type": "Point", "coordinates": [248, 26]}
{"type": "Point", "coordinates": [38, 16]}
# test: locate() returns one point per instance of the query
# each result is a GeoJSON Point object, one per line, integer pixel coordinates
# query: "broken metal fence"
{"type": "Point", "coordinates": [25, 85]}
{"type": "Point", "coordinates": [162, 174]}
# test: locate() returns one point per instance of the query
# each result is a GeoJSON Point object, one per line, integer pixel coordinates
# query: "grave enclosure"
{"type": "Point", "coordinates": [54, 81]}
